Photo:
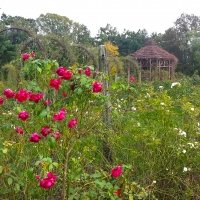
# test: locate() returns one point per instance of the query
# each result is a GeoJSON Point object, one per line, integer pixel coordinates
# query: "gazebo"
{"type": "Point", "coordinates": [155, 62]}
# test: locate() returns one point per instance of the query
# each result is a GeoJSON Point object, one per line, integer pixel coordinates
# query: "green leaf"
{"type": "Point", "coordinates": [55, 164]}
{"type": "Point", "coordinates": [39, 69]}
{"type": "Point", "coordinates": [43, 113]}
{"type": "Point", "coordinates": [30, 173]}
{"type": "Point", "coordinates": [10, 181]}
{"type": "Point", "coordinates": [17, 187]}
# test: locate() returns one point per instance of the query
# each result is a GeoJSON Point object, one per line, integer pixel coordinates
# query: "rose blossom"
{"type": "Point", "coordinates": [132, 79]}
{"type": "Point", "coordinates": [60, 115]}
{"type": "Point", "coordinates": [67, 75]}
{"type": "Point", "coordinates": [22, 95]}
{"type": "Point", "coordinates": [47, 102]}
{"type": "Point", "coordinates": [60, 71]}
{"type": "Point", "coordinates": [56, 135]}
{"type": "Point", "coordinates": [37, 177]}
{"type": "Point", "coordinates": [36, 97]}
{"type": "Point", "coordinates": [117, 171]}
{"type": "Point", "coordinates": [32, 54]}
{"type": "Point", "coordinates": [19, 130]}
{"type": "Point", "coordinates": [72, 123]}
{"type": "Point", "coordinates": [25, 56]}
{"type": "Point", "coordinates": [1, 100]}
{"type": "Point", "coordinates": [8, 93]}
{"type": "Point", "coordinates": [55, 83]}
{"type": "Point", "coordinates": [49, 181]}
{"type": "Point", "coordinates": [118, 192]}
{"type": "Point", "coordinates": [23, 115]}
{"type": "Point", "coordinates": [35, 137]}
{"type": "Point", "coordinates": [87, 72]}
{"type": "Point", "coordinates": [46, 131]}
{"type": "Point", "coordinates": [97, 87]}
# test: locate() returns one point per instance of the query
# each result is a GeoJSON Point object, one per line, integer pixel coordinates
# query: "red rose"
{"type": "Point", "coordinates": [1, 100]}
{"type": "Point", "coordinates": [23, 115]}
{"type": "Point", "coordinates": [67, 75]}
{"type": "Point", "coordinates": [25, 56]}
{"type": "Point", "coordinates": [8, 93]}
{"type": "Point", "coordinates": [22, 95]}
{"type": "Point", "coordinates": [55, 83]}
{"type": "Point", "coordinates": [97, 87]}
{"type": "Point", "coordinates": [46, 131]}
{"type": "Point", "coordinates": [87, 72]}
{"type": "Point", "coordinates": [72, 123]}
{"type": "Point", "coordinates": [35, 137]}
{"type": "Point", "coordinates": [60, 71]}
{"type": "Point", "coordinates": [117, 171]}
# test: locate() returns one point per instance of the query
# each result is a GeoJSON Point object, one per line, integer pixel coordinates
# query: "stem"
{"type": "Point", "coordinates": [65, 170]}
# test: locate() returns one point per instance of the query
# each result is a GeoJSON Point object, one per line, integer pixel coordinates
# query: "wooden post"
{"type": "Point", "coordinates": [103, 66]}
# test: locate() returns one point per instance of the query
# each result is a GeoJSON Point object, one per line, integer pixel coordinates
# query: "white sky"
{"type": "Point", "coordinates": [152, 15]}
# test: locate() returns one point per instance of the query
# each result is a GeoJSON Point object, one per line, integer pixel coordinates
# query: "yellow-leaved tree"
{"type": "Point", "coordinates": [115, 64]}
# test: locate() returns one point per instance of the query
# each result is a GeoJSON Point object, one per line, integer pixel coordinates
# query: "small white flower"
{"type": "Point", "coordinates": [177, 84]}
{"type": "Point", "coordinates": [192, 109]}
{"type": "Point", "coordinates": [160, 87]}
{"type": "Point", "coordinates": [138, 123]}
{"type": "Point", "coordinates": [162, 104]}
{"type": "Point", "coordinates": [119, 106]}
{"type": "Point", "coordinates": [191, 145]}
{"type": "Point", "coordinates": [167, 169]}
{"type": "Point", "coordinates": [183, 133]}
{"type": "Point", "coordinates": [185, 169]}
{"type": "Point", "coordinates": [184, 151]}
{"type": "Point", "coordinates": [198, 124]}
{"type": "Point", "coordinates": [154, 182]}
{"type": "Point", "coordinates": [133, 108]}
{"type": "Point", "coordinates": [122, 99]}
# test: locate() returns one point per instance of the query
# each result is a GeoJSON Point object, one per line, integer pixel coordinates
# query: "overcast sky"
{"type": "Point", "coordinates": [152, 15]}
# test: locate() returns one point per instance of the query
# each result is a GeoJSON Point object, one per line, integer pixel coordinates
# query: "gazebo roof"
{"type": "Point", "coordinates": [151, 51]}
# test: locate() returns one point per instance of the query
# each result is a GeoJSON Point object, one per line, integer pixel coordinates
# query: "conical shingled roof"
{"type": "Point", "coordinates": [151, 51]}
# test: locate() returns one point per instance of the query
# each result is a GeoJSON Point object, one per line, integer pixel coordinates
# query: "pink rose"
{"type": "Point", "coordinates": [37, 177]}
{"type": "Point", "coordinates": [49, 181]}
{"type": "Point", "coordinates": [1, 100]}
{"type": "Point", "coordinates": [55, 83]}
{"type": "Point", "coordinates": [60, 71]}
{"type": "Point", "coordinates": [32, 54]}
{"type": "Point", "coordinates": [47, 102]}
{"type": "Point", "coordinates": [97, 87]}
{"type": "Point", "coordinates": [23, 115]}
{"type": "Point", "coordinates": [36, 97]}
{"type": "Point", "coordinates": [56, 135]}
{"type": "Point", "coordinates": [25, 56]}
{"type": "Point", "coordinates": [19, 130]}
{"type": "Point", "coordinates": [35, 137]}
{"type": "Point", "coordinates": [46, 131]}
{"type": "Point", "coordinates": [8, 93]}
{"type": "Point", "coordinates": [22, 95]}
{"type": "Point", "coordinates": [132, 79]}
{"type": "Point", "coordinates": [87, 72]}
{"type": "Point", "coordinates": [60, 115]}
{"type": "Point", "coordinates": [67, 75]}
{"type": "Point", "coordinates": [72, 123]}
{"type": "Point", "coordinates": [117, 171]}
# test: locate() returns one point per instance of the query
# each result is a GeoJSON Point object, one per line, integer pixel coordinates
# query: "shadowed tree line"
{"type": "Point", "coordinates": [57, 37]}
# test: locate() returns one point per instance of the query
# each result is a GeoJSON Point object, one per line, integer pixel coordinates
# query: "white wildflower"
{"type": "Point", "coordinates": [154, 182]}
{"type": "Point", "coordinates": [192, 109]}
{"type": "Point", "coordinates": [191, 145]}
{"type": "Point", "coordinates": [185, 169]}
{"type": "Point", "coordinates": [133, 108]}
{"type": "Point", "coordinates": [184, 151]}
{"type": "Point", "coordinates": [162, 104]}
{"type": "Point", "coordinates": [160, 87]}
{"type": "Point", "coordinates": [138, 123]}
{"type": "Point", "coordinates": [177, 84]}
{"type": "Point", "coordinates": [183, 133]}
